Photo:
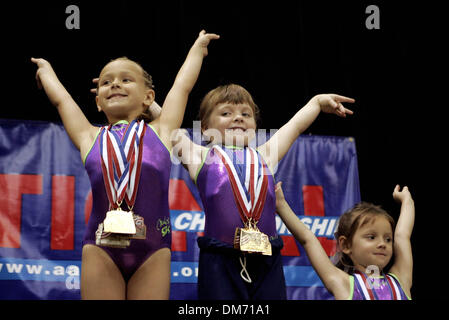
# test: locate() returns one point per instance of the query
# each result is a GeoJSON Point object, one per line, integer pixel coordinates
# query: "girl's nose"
{"type": "Point", "coordinates": [382, 244]}
{"type": "Point", "coordinates": [115, 83]}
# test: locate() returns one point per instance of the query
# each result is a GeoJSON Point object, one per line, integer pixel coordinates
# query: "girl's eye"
{"type": "Point", "coordinates": [226, 113]}
{"type": "Point", "coordinates": [126, 80]}
{"type": "Point", "coordinates": [105, 82]}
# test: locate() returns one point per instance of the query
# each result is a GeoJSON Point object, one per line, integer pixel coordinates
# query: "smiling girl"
{"type": "Point", "coordinates": [128, 163]}
{"type": "Point", "coordinates": [367, 238]}
{"type": "Point", "coordinates": [240, 251]}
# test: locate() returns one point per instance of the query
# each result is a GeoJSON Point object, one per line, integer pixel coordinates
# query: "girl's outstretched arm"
{"type": "Point", "coordinates": [172, 112]}
{"type": "Point", "coordinates": [403, 259]}
{"type": "Point", "coordinates": [335, 280]}
{"type": "Point", "coordinates": [79, 129]}
{"type": "Point", "coordinates": [275, 148]}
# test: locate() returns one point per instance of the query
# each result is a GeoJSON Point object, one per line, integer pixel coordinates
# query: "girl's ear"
{"type": "Point", "coordinates": [344, 245]}
{"type": "Point", "coordinates": [96, 101]}
{"type": "Point", "coordinates": [149, 98]}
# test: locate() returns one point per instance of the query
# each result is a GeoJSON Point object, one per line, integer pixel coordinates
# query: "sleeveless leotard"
{"type": "Point", "coordinates": [151, 201]}
{"type": "Point", "coordinates": [386, 287]}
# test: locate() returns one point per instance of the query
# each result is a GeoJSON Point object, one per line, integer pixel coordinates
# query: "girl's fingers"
{"type": "Point", "coordinates": [343, 99]}
{"type": "Point", "coordinates": [348, 111]}
{"type": "Point", "coordinates": [213, 36]}
{"type": "Point", "coordinates": [278, 186]}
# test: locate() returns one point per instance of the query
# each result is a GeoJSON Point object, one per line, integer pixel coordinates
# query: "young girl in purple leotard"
{"type": "Point", "coordinates": [236, 186]}
{"type": "Point", "coordinates": [367, 239]}
{"type": "Point", "coordinates": [116, 156]}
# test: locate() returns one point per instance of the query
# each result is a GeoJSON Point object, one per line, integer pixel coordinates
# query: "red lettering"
{"type": "Point", "coordinates": [314, 206]}
{"type": "Point", "coordinates": [88, 207]}
{"type": "Point", "coordinates": [12, 187]}
{"type": "Point", "coordinates": [62, 212]}
{"type": "Point", "coordinates": [180, 197]}
{"type": "Point", "coordinates": [313, 200]}
{"type": "Point", "coordinates": [290, 248]}
{"type": "Point", "coordinates": [329, 245]}
{"type": "Point", "coordinates": [179, 242]}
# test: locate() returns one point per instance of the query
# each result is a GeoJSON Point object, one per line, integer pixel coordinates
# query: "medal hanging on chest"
{"type": "Point", "coordinates": [121, 162]}
{"type": "Point", "coordinates": [249, 238]}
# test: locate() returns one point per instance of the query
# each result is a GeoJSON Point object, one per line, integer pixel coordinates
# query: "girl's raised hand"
{"type": "Point", "coordinates": [95, 82]}
{"type": "Point", "coordinates": [332, 103]}
{"type": "Point", "coordinates": [204, 39]}
{"type": "Point", "coordinates": [42, 66]}
{"type": "Point", "coordinates": [400, 196]}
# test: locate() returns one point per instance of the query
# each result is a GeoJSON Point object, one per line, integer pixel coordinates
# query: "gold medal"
{"type": "Point", "coordinates": [119, 221]}
{"type": "Point", "coordinates": [121, 161]}
{"type": "Point", "coordinates": [248, 239]}
{"type": "Point", "coordinates": [266, 245]}
{"type": "Point", "coordinates": [251, 240]}
{"type": "Point", "coordinates": [109, 239]}
{"type": "Point", "coordinates": [141, 228]}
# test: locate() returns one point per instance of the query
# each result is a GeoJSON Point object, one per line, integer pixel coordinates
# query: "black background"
{"type": "Point", "coordinates": [283, 52]}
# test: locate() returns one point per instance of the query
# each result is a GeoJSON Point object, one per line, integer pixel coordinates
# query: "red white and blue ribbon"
{"type": "Point", "coordinates": [255, 183]}
{"type": "Point", "coordinates": [121, 162]}
{"type": "Point", "coordinates": [370, 294]}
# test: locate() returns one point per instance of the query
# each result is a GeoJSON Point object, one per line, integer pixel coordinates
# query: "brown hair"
{"type": "Point", "coordinates": [350, 221]}
{"type": "Point", "coordinates": [148, 81]}
{"type": "Point", "coordinates": [229, 93]}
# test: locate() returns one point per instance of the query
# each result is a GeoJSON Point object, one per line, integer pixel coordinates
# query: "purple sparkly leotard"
{"type": "Point", "coordinates": [222, 214]}
{"type": "Point", "coordinates": [220, 265]}
{"type": "Point", "coordinates": [151, 201]}
{"type": "Point", "coordinates": [386, 287]}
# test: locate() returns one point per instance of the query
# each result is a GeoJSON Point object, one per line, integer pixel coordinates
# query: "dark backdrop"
{"type": "Point", "coordinates": [283, 52]}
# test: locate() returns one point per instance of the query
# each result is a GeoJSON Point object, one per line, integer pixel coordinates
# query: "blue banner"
{"type": "Point", "coordinates": [46, 201]}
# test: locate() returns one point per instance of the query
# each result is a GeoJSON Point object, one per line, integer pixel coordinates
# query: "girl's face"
{"type": "Point", "coordinates": [234, 124]}
{"type": "Point", "coordinates": [122, 93]}
{"type": "Point", "coordinates": [372, 244]}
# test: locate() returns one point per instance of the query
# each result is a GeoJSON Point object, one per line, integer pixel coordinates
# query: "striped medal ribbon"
{"type": "Point", "coordinates": [121, 162]}
{"type": "Point", "coordinates": [367, 290]}
{"type": "Point", "coordinates": [248, 239]}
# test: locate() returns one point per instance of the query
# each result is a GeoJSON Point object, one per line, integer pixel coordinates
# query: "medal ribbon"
{"type": "Point", "coordinates": [250, 211]}
{"type": "Point", "coordinates": [121, 162]}
{"type": "Point", "coordinates": [369, 293]}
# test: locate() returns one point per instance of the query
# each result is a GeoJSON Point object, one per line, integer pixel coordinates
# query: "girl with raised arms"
{"type": "Point", "coordinates": [240, 251]}
{"type": "Point", "coordinates": [126, 247]}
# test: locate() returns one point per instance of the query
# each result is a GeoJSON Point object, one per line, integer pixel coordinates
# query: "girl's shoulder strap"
{"type": "Point", "coordinates": [351, 287]}
{"type": "Point", "coordinates": [396, 287]}
{"type": "Point", "coordinates": [205, 152]}
{"type": "Point", "coordinates": [360, 283]}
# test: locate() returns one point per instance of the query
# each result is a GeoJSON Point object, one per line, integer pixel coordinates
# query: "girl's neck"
{"type": "Point", "coordinates": [372, 270]}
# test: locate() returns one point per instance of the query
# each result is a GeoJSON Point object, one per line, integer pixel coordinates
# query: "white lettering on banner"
{"type": "Point", "coordinates": [188, 221]}
{"type": "Point", "coordinates": [319, 227]}
{"type": "Point", "coordinates": [58, 271]}
{"type": "Point", "coordinates": [195, 221]}
{"type": "Point", "coordinates": [179, 223]}
{"type": "Point", "coordinates": [40, 270]}
{"type": "Point", "coordinates": [14, 268]}
{"type": "Point", "coordinates": [34, 269]}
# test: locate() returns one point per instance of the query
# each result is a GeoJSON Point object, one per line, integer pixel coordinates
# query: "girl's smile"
{"type": "Point", "coordinates": [372, 244]}
{"type": "Point", "coordinates": [234, 123]}
{"type": "Point", "coordinates": [122, 91]}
